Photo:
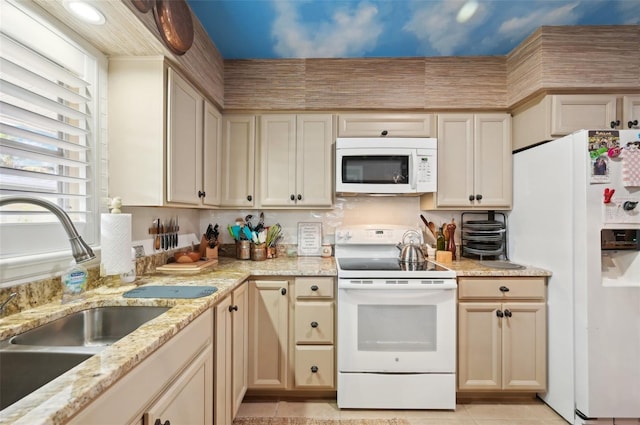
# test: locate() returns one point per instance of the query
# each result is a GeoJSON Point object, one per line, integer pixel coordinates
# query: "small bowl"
{"type": "Point", "coordinates": [187, 256]}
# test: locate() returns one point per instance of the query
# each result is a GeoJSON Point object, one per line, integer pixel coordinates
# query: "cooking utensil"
{"type": "Point", "coordinates": [156, 243]}
{"type": "Point", "coordinates": [260, 226]}
{"type": "Point", "coordinates": [173, 18]}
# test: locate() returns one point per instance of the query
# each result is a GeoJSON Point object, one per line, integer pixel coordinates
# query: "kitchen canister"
{"type": "Point", "coordinates": [258, 252]}
{"type": "Point", "coordinates": [243, 250]}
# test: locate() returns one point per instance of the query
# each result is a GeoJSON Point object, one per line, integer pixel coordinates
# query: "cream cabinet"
{"type": "Point", "coordinates": [162, 141]}
{"type": "Point", "coordinates": [474, 163]}
{"type": "Point", "coordinates": [231, 349]}
{"type": "Point", "coordinates": [386, 125]}
{"type": "Point", "coordinates": [173, 385]}
{"type": "Point", "coordinates": [553, 116]}
{"type": "Point", "coordinates": [238, 160]}
{"type": "Point", "coordinates": [502, 334]}
{"type": "Point", "coordinates": [292, 334]}
{"type": "Point", "coordinates": [269, 304]}
{"type": "Point", "coordinates": [296, 160]}
{"type": "Point", "coordinates": [314, 333]}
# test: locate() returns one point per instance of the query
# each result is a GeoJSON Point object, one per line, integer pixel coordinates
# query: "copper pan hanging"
{"type": "Point", "coordinates": [174, 21]}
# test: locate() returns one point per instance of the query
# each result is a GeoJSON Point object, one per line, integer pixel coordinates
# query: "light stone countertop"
{"type": "Point", "coordinates": [59, 400]}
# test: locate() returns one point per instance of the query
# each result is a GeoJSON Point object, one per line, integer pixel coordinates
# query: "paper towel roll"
{"type": "Point", "coordinates": [115, 231]}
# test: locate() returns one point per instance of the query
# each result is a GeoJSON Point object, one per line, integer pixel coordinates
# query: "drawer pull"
{"type": "Point", "coordinates": [233, 308]}
{"type": "Point", "coordinates": [314, 324]}
{"type": "Point", "coordinates": [314, 287]}
{"type": "Point", "coordinates": [499, 313]}
{"type": "Point", "coordinates": [504, 289]}
{"type": "Point", "coordinates": [159, 422]}
{"type": "Point", "coordinates": [507, 313]}
{"type": "Point", "coordinates": [314, 369]}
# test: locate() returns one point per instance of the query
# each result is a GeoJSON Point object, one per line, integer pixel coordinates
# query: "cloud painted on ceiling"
{"type": "Point", "coordinates": [391, 28]}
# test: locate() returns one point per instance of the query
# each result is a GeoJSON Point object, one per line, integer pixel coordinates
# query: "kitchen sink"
{"type": "Point", "coordinates": [98, 326]}
{"type": "Point", "coordinates": [23, 372]}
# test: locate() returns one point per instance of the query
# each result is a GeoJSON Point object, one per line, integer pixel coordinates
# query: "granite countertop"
{"type": "Point", "coordinates": [59, 400]}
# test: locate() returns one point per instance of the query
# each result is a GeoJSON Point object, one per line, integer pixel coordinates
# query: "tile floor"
{"type": "Point", "coordinates": [477, 413]}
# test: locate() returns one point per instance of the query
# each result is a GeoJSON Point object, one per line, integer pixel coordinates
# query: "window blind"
{"type": "Point", "coordinates": [44, 132]}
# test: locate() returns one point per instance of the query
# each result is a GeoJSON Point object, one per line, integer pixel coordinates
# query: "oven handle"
{"type": "Point", "coordinates": [364, 295]}
{"type": "Point", "coordinates": [347, 284]}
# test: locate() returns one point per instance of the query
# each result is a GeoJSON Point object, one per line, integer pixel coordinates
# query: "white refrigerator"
{"type": "Point", "coordinates": [593, 315]}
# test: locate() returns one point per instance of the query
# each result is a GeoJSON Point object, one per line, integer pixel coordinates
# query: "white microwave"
{"type": "Point", "coordinates": [392, 166]}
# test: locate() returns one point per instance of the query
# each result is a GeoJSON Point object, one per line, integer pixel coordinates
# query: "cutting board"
{"type": "Point", "coordinates": [187, 267]}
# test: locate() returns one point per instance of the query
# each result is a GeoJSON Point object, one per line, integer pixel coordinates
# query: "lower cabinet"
{"type": "Point", "coordinates": [231, 344]}
{"type": "Point", "coordinates": [173, 385]}
{"type": "Point", "coordinates": [291, 334]}
{"type": "Point", "coordinates": [502, 334]}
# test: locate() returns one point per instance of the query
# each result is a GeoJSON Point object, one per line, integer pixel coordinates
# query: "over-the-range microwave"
{"type": "Point", "coordinates": [386, 166]}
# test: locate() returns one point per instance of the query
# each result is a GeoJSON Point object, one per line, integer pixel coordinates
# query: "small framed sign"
{"type": "Point", "coordinates": [309, 239]}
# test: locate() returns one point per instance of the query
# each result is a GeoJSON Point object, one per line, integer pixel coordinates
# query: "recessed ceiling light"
{"type": "Point", "coordinates": [85, 11]}
{"type": "Point", "coordinates": [467, 11]}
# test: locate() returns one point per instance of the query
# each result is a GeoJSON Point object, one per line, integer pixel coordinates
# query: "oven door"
{"type": "Point", "coordinates": [397, 330]}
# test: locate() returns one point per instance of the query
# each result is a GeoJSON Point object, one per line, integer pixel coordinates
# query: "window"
{"type": "Point", "coordinates": [49, 137]}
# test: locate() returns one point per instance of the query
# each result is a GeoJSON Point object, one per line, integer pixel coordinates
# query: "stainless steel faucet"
{"type": "Point", "coordinates": [79, 248]}
{"type": "Point", "coordinates": [5, 302]}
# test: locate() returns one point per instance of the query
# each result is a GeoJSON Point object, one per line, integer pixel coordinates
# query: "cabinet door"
{"type": "Point", "coordinates": [240, 342]}
{"type": "Point", "coordinates": [314, 160]}
{"type": "Point", "coordinates": [268, 333]}
{"type": "Point", "coordinates": [238, 160]}
{"type": "Point", "coordinates": [389, 125]}
{"type": "Point", "coordinates": [630, 112]}
{"type": "Point", "coordinates": [492, 175]}
{"type": "Point", "coordinates": [455, 160]}
{"type": "Point", "coordinates": [184, 141]}
{"type": "Point", "coordinates": [187, 400]}
{"type": "Point", "coordinates": [479, 346]}
{"type": "Point", "coordinates": [277, 160]}
{"type": "Point", "coordinates": [524, 346]}
{"type": "Point", "coordinates": [570, 113]}
{"type": "Point", "coordinates": [222, 409]}
{"type": "Point", "coordinates": [212, 155]}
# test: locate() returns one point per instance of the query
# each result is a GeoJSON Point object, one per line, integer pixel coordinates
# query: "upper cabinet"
{"type": "Point", "coordinates": [238, 160]}
{"type": "Point", "coordinates": [554, 116]}
{"type": "Point", "coordinates": [474, 163]}
{"type": "Point", "coordinates": [160, 129]}
{"type": "Point", "coordinates": [296, 160]}
{"type": "Point", "coordinates": [386, 125]}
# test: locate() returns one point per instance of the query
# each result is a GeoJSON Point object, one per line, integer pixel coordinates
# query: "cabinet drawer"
{"type": "Point", "coordinates": [314, 367]}
{"type": "Point", "coordinates": [314, 287]}
{"type": "Point", "coordinates": [502, 288]}
{"type": "Point", "coordinates": [314, 322]}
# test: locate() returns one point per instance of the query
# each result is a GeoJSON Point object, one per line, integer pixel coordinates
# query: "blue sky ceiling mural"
{"type": "Point", "coordinates": [262, 29]}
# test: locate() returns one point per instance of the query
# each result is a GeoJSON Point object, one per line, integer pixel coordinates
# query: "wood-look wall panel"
{"type": "Point", "coordinates": [364, 83]}
{"type": "Point", "coordinates": [466, 82]}
{"type": "Point", "coordinates": [265, 84]}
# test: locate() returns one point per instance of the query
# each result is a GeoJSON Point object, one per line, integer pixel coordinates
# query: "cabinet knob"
{"type": "Point", "coordinates": [471, 198]}
{"type": "Point", "coordinates": [615, 123]}
{"type": "Point", "coordinates": [499, 313]}
{"type": "Point", "coordinates": [507, 313]}
{"type": "Point", "coordinates": [233, 308]}
{"type": "Point", "coordinates": [283, 291]}
{"type": "Point", "coordinates": [314, 324]}
{"type": "Point", "coordinates": [479, 197]}
{"type": "Point", "coordinates": [632, 124]}
{"type": "Point", "coordinates": [292, 197]}
{"type": "Point", "coordinates": [249, 198]}
{"type": "Point", "coordinates": [159, 422]}
{"type": "Point", "coordinates": [314, 287]}
{"type": "Point", "coordinates": [384, 133]}
{"type": "Point", "coordinates": [201, 194]}
{"type": "Point", "coordinates": [299, 197]}
{"type": "Point", "coordinates": [504, 289]}
{"type": "Point", "coordinates": [314, 369]}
